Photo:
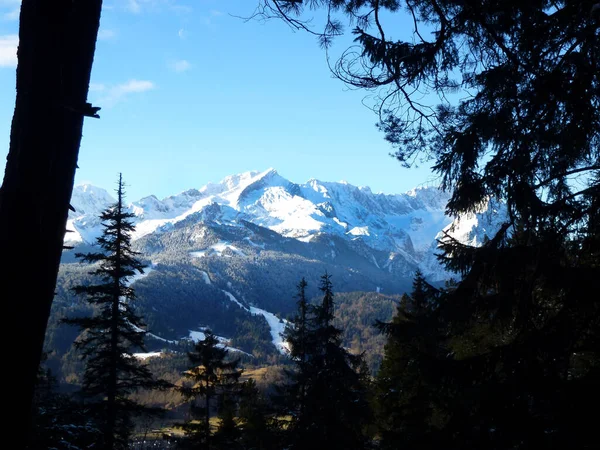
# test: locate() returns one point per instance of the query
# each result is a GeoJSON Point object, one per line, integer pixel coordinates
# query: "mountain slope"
{"type": "Point", "coordinates": [229, 255]}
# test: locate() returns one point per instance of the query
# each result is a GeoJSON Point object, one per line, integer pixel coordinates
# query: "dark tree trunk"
{"type": "Point", "coordinates": [56, 50]}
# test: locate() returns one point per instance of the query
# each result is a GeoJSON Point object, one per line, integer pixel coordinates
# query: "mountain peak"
{"type": "Point", "coordinates": [88, 199]}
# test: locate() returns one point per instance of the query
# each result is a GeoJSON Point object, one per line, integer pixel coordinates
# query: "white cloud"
{"type": "Point", "coordinates": [180, 66]}
{"type": "Point", "coordinates": [182, 33]}
{"type": "Point", "coordinates": [8, 50]}
{"type": "Point", "coordinates": [106, 34]}
{"type": "Point", "coordinates": [114, 94]}
{"type": "Point", "coordinates": [215, 13]}
{"type": "Point", "coordinates": [97, 87]}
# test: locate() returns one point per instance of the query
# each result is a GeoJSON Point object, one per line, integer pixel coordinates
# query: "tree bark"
{"type": "Point", "coordinates": [56, 51]}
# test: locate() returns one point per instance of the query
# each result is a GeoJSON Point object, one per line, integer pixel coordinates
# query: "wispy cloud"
{"type": "Point", "coordinates": [8, 50]}
{"type": "Point", "coordinates": [179, 66]}
{"type": "Point", "coordinates": [107, 34]}
{"type": "Point", "coordinates": [111, 95]}
{"type": "Point", "coordinates": [182, 33]}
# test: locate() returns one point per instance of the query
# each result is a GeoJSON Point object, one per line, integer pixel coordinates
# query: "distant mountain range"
{"type": "Point", "coordinates": [391, 231]}
{"type": "Point", "coordinates": [230, 254]}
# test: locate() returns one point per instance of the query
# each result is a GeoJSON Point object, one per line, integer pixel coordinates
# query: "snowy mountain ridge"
{"type": "Point", "coordinates": [400, 224]}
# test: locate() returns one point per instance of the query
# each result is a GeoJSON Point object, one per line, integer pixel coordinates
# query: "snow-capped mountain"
{"type": "Point", "coordinates": [229, 255]}
{"type": "Point", "coordinates": [395, 227]}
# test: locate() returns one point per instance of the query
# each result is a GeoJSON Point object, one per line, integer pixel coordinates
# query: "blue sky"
{"type": "Point", "coordinates": [190, 94]}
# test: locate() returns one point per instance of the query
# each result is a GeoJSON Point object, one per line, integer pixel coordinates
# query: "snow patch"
{"type": "Point", "coordinates": [140, 276]}
{"type": "Point", "coordinates": [146, 355]}
{"type": "Point", "coordinates": [205, 277]}
{"type": "Point", "coordinates": [234, 300]}
{"type": "Point", "coordinates": [254, 244]}
{"type": "Point", "coordinates": [197, 336]}
{"type": "Point", "coordinates": [277, 328]}
{"type": "Point", "coordinates": [218, 249]}
{"type": "Point", "coordinates": [359, 231]}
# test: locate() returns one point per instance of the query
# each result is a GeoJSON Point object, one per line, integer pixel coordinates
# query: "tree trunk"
{"type": "Point", "coordinates": [56, 50]}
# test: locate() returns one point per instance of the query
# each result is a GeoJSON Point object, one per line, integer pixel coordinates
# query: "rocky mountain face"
{"type": "Point", "coordinates": [237, 248]}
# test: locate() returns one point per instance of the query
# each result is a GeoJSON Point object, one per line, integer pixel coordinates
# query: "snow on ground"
{"type": "Point", "coordinates": [197, 336]}
{"type": "Point", "coordinates": [306, 238]}
{"type": "Point", "coordinates": [161, 339]}
{"type": "Point", "coordinates": [277, 327]}
{"type": "Point", "coordinates": [205, 277]}
{"type": "Point", "coordinates": [154, 336]}
{"type": "Point", "coordinates": [218, 249]}
{"type": "Point", "coordinates": [221, 246]}
{"type": "Point", "coordinates": [148, 226]}
{"type": "Point", "coordinates": [254, 244]}
{"type": "Point", "coordinates": [146, 355]}
{"type": "Point", "coordinates": [359, 231]}
{"type": "Point", "coordinates": [73, 236]}
{"type": "Point", "coordinates": [139, 276]}
{"type": "Point", "coordinates": [292, 212]}
{"type": "Point", "coordinates": [234, 300]}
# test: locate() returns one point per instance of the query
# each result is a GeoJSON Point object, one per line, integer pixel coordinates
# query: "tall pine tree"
{"type": "Point", "coordinates": [115, 331]}
{"type": "Point", "coordinates": [329, 401]}
{"type": "Point", "coordinates": [298, 338]}
{"type": "Point", "coordinates": [408, 401]}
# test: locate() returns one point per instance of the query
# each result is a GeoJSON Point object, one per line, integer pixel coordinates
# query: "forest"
{"type": "Point", "coordinates": [505, 355]}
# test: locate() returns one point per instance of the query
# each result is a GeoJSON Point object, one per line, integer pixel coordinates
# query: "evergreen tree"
{"type": "Point", "coordinates": [58, 421]}
{"type": "Point", "coordinates": [407, 399]}
{"type": "Point", "coordinates": [111, 336]}
{"type": "Point", "coordinates": [517, 347]}
{"type": "Point", "coordinates": [422, 297]}
{"type": "Point", "coordinates": [227, 435]}
{"type": "Point", "coordinates": [258, 426]}
{"type": "Point", "coordinates": [330, 383]}
{"type": "Point", "coordinates": [214, 383]}
{"type": "Point", "coordinates": [298, 338]}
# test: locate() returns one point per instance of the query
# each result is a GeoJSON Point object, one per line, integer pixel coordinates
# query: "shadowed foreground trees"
{"type": "Point", "coordinates": [111, 336]}
{"type": "Point", "coordinates": [409, 403]}
{"type": "Point", "coordinates": [327, 393]}
{"type": "Point", "coordinates": [518, 336]}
